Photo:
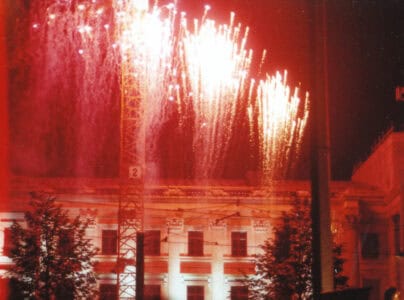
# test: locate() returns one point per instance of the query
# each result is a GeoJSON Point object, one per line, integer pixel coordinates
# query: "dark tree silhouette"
{"type": "Point", "coordinates": [52, 256]}
{"type": "Point", "coordinates": [283, 269]}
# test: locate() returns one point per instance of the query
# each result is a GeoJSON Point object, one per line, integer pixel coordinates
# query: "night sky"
{"type": "Point", "coordinates": [366, 63]}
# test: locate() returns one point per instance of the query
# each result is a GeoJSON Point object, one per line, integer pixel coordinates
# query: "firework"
{"type": "Point", "coordinates": [216, 66]}
{"type": "Point", "coordinates": [71, 79]}
{"type": "Point", "coordinates": [82, 51]}
{"type": "Point", "coordinates": [281, 117]}
{"type": "Point", "coordinates": [146, 40]}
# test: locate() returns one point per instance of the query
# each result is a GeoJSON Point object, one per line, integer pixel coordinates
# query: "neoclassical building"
{"type": "Point", "coordinates": [200, 240]}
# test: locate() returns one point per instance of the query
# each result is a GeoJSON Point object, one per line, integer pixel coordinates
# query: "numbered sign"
{"type": "Point", "coordinates": [135, 172]}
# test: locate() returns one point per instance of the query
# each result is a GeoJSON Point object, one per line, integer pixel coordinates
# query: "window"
{"type": "Point", "coordinates": [152, 242]}
{"type": "Point", "coordinates": [239, 243]}
{"type": "Point", "coordinates": [7, 242]}
{"type": "Point", "coordinates": [108, 292]}
{"type": "Point", "coordinates": [370, 245]}
{"type": "Point", "coordinates": [195, 292]}
{"type": "Point", "coordinates": [109, 242]}
{"type": "Point", "coordinates": [396, 224]}
{"type": "Point", "coordinates": [239, 293]}
{"type": "Point", "coordinates": [374, 284]}
{"type": "Point", "coordinates": [195, 243]}
{"type": "Point", "coordinates": [66, 242]}
{"type": "Point", "coordinates": [152, 292]}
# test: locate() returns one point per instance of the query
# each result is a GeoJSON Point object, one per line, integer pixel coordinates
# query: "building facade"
{"type": "Point", "coordinates": [200, 240]}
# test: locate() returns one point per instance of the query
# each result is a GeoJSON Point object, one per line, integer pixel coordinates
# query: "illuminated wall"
{"type": "Point", "coordinates": [219, 212]}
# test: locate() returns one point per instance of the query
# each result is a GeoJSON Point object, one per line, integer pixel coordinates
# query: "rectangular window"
{"type": "Point", "coordinates": [152, 242]}
{"type": "Point", "coordinates": [374, 285]}
{"type": "Point", "coordinates": [109, 242]}
{"type": "Point", "coordinates": [239, 293]}
{"type": "Point", "coordinates": [195, 292]}
{"type": "Point", "coordinates": [370, 245]}
{"type": "Point", "coordinates": [7, 242]}
{"type": "Point", "coordinates": [66, 242]}
{"type": "Point", "coordinates": [238, 243]}
{"type": "Point", "coordinates": [195, 243]}
{"type": "Point", "coordinates": [152, 292]}
{"type": "Point", "coordinates": [396, 225]}
{"type": "Point", "coordinates": [108, 292]}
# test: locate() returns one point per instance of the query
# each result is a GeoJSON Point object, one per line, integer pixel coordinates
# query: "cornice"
{"type": "Point", "coordinates": [104, 188]}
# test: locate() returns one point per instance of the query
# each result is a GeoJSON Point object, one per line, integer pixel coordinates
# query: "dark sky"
{"type": "Point", "coordinates": [365, 63]}
{"type": "Point", "coordinates": [365, 42]}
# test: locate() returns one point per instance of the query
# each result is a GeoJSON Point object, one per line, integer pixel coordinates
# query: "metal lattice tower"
{"type": "Point", "coordinates": [130, 213]}
{"type": "Point", "coordinates": [132, 161]}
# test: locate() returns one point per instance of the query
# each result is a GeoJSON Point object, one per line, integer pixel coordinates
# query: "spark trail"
{"type": "Point", "coordinates": [216, 66]}
{"type": "Point", "coordinates": [80, 50]}
{"type": "Point", "coordinates": [72, 79]}
{"type": "Point", "coordinates": [281, 117]}
{"type": "Point", "coordinates": [146, 40]}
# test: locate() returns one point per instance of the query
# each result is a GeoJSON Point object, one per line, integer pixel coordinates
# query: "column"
{"type": "Point", "coordinates": [176, 285]}
{"type": "Point", "coordinates": [218, 233]}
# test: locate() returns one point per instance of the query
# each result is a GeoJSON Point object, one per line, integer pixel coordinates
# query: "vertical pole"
{"type": "Point", "coordinates": [4, 137]}
{"type": "Point", "coordinates": [320, 165]}
{"type": "Point", "coordinates": [140, 266]}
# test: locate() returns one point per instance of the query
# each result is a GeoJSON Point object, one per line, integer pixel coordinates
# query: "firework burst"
{"type": "Point", "coordinates": [82, 51]}
{"type": "Point", "coordinates": [281, 117]}
{"type": "Point", "coordinates": [216, 66]}
{"type": "Point", "coordinates": [146, 39]}
{"type": "Point", "coordinates": [71, 70]}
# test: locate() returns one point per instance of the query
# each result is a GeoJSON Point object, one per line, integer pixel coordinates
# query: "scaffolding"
{"type": "Point", "coordinates": [130, 211]}
{"type": "Point", "coordinates": [132, 158]}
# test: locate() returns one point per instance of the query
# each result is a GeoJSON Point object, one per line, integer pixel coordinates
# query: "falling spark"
{"type": "Point", "coordinates": [72, 64]}
{"type": "Point", "coordinates": [216, 65]}
{"type": "Point", "coordinates": [147, 40]}
{"type": "Point", "coordinates": [83, 48]}
{"type": "Point", "coordinates": [282, 118]}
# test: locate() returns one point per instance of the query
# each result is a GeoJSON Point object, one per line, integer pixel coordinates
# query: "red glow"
{"type": "Point", "coordinates": [4, 180]}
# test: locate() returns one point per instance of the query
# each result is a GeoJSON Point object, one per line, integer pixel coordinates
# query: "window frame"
{"type": "Point", "coordinates": [152, 242]}
{"type": "Point", "coordinates": [195, 292]}
{"type": "Point", "coordinates": [396, 234]}
{"type": "Point", "coordinates": [370, 245]}
{"type": "Point", "coordinates": [66, 241]}
{"type": "Point", "coordinates": [238, 292]}
{"type": "Point", "coordinates": [109, 242]}
{"type": "Point", "coordinates": [111, 294]}
{"type": "Point", "coordinates": [239, 243]}
{"type": "Point", "coordinates": [151, 289]}
{"type": "Point", "coordinates": [195, 243]}
{"type": "Point", "coordinates": [7, 241]}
